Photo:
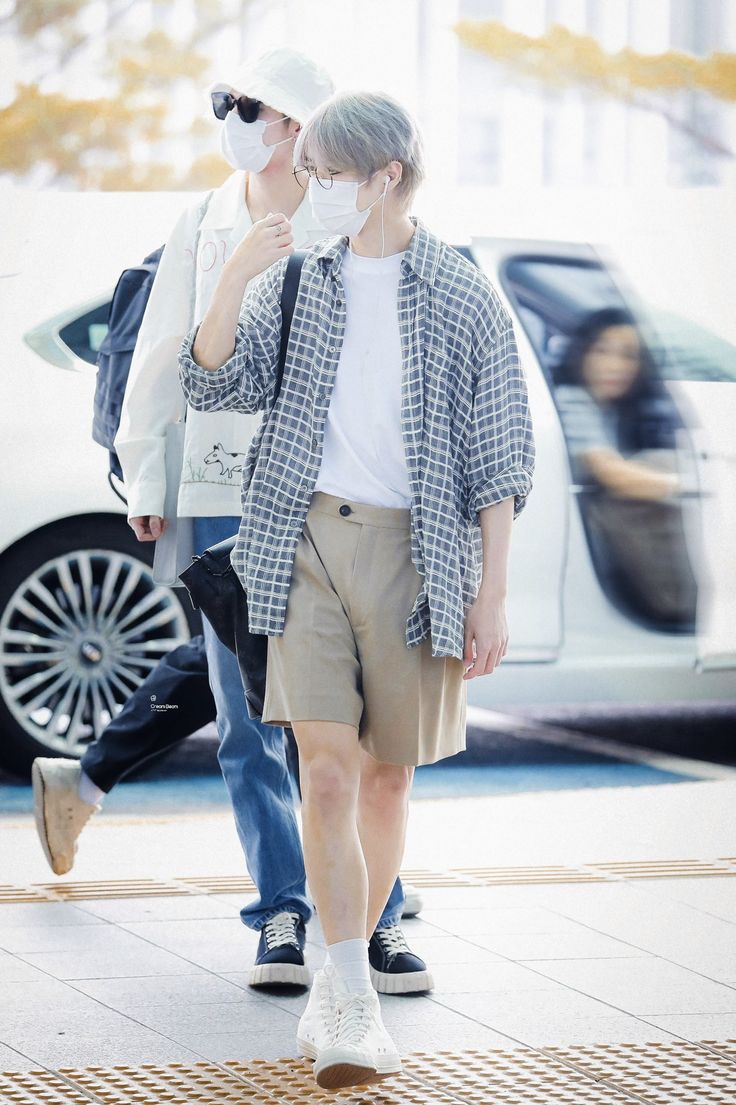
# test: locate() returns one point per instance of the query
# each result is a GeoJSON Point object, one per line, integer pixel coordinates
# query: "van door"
{"type": "Point", "coordinates": [540, 533]}
{"type": "Point", "coordinates": [702, 369]}
{"type": "Point", "coordinates": [552, 286]}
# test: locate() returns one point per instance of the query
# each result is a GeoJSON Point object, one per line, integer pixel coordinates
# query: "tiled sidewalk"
{"type": "Point", "coordinates": [577, 969]}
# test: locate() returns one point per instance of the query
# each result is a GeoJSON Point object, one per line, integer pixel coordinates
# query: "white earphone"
{"type": "Point", "coordinates": [386, 182]}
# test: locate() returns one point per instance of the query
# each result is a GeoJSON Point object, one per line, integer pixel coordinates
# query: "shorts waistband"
{"type": "Point", "coordinates": [364, 513]}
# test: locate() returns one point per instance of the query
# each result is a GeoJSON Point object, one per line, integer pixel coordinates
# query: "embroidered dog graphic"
{"type": "Point", "coordinates": [229, 464]}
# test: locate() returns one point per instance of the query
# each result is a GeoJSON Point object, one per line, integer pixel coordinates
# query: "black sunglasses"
{"type": "Point", "coordinates": [224, 102]}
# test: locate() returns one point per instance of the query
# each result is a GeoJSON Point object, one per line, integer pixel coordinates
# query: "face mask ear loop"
{"type": "Point", "coordinates": [282, 140]}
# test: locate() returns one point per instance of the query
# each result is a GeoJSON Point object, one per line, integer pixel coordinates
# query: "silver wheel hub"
{"type": "Point", "coordinates": [77, 638]}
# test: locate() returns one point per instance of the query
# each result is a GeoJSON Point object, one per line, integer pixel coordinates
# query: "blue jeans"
{"type": "Point", "coordinates": [262, 790]}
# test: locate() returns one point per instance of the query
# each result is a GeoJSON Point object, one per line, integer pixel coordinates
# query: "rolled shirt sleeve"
{"type": "Point", "coordinates": [246, 381]}
{"type": "Point", "coordinates": [501, 452]}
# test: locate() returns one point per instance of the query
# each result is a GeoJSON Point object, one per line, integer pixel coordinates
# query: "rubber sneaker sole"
{"type": "Point", "coordinates": [404, 982]}
{"type": "Point", "coordinates": [39, 813]}
{"type": "Point", "coordinates": [280, 974]}
{"type": "Point", "coordinates": [336, 1069]}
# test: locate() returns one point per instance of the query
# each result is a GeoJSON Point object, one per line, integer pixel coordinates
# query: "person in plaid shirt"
{"type": "Point", "coordinates": [378, 497]}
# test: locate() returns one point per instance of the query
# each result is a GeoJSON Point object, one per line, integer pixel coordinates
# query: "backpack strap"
{"type": "Point", "coordinates": [289, 292]}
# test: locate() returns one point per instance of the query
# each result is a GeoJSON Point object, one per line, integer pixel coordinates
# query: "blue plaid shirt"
{"type": "Point", "coordinates": [465, 423]}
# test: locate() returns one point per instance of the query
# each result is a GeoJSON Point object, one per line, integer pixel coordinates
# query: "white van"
{"type": "Point", "coordinates": [82, 622]}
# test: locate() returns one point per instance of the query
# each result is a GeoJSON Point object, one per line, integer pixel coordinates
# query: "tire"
{"type": "Point", "coordinates": [82, 623]}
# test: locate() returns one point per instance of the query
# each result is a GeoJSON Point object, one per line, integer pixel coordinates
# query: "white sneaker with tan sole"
{"type": "Point", "coordinates": [317, 1023]}
{"type": "Point", "coordinates": [59, 811]}
{"type": "Point", "coordinates": [361, 1050]}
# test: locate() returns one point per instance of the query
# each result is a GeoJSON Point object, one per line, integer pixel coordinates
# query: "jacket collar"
{"type": "Point", "coordinates": [226, 204]}
{"type": "Point", "coordinates": [422, 254]}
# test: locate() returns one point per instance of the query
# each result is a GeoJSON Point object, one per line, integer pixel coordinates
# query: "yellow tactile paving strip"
{"type": "Point", "coordinates": [611, 871]}
{"type": "Point", "coordinates": [292, 1082]}
{"type": "Point", "coordinates": [676, 1073]}
{"type": "Point", "coordinates": [111, 888]}
{"type": "Point", "coordinates": [499, 876]}
{"type": "Point", "coordinates": [39, 1086]}
{"type": "Point", "coordinates": [666, 868]}
{"type": "Point", "coordinates": [687, 1073]}
{"type": "Point", "coordinates": [12, 894]}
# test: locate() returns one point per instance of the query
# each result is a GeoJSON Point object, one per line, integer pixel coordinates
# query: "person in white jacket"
{"type": "Point", "coordinates": [262, 110]}
{"type": "Point", "coordinates": [286, 86]}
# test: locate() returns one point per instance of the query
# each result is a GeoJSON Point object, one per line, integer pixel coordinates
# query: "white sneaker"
{"type": "Point", "coordinates": [413, 900]}
{"type": "Point", "coordinates": [361, 1049]}
{"type": "Point", "coordinates": [59, 811]}
{"type": "Point", "coordinates": [317, 1023]}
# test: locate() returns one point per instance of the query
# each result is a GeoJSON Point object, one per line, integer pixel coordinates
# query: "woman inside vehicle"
{"type": "Point", "coordinates": [378, 499]}
{"type": "Point", "coordinates": [620, 425]}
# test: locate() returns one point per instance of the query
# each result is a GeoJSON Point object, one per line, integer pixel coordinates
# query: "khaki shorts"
{"type": "Point", "coordinates": [343, 654]}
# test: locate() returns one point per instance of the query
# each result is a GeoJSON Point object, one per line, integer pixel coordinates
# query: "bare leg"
{"type": "Point", "coordinates": [383, 808]}
{"type": "Point", "coordinates": [329, 769]}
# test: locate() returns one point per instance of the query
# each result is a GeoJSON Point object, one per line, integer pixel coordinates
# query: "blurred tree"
{"type": "Point", "coordinates": [563, 59]}
{"type": "Point", "coordinates": [33, 16]}
{"type": "Point", "coordinates": [112, 141]}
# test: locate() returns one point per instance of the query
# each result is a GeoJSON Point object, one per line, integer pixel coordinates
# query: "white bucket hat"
{"type": "Point", "coordinates": [284, 79]}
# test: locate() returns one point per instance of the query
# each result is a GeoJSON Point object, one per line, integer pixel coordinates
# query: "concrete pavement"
{"type": "Point", "coordinates": [583, 945]}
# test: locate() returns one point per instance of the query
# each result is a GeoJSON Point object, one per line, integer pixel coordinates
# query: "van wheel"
{"type": "Point", "coordinates": [82, 624]}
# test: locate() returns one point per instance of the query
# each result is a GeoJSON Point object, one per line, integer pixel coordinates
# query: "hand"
{"type": "Point", "coordinates": [148, 527]}
{"type": "Point", "coordinates": [267, 241]}
{"type": "Point", "coordinates": [485, 626]}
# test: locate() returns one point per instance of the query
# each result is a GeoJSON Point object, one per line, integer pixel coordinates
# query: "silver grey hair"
{"type": "Point", "coordinates": [363, 131]}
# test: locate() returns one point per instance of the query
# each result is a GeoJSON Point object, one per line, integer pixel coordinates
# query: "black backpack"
{"type": "Point", "coordinates": [127, 307]}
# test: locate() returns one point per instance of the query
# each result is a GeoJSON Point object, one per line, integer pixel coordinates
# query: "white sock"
{"type": "Point", "coordinates": [89, 792]}
{"type": "Point", "coordinates": [350, 960]}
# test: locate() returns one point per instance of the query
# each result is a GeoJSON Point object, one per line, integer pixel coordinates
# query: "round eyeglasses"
{"type": "Point", "coordinates": [305, 173]}
{"type": "Point", "coordinates": [223, 102]}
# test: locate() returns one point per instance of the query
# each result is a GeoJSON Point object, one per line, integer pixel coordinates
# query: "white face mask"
{"type": "Point", "coordinates": [242, 143]}
{"type": "Point", "coordinates": [336, 208]}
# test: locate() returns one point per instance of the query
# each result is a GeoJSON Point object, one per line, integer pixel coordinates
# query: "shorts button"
{"type": "Point", "coordinates": [345, 510]}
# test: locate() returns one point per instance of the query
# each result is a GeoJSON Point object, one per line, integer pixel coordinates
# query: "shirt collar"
{"type": "Point", "coordinates": [422, 254]}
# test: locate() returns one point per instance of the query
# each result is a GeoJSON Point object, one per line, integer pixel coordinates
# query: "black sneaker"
{"type": "Point", "coordinates": [394, 967]}
{"type": "Point", "coordinates": [280, 955]}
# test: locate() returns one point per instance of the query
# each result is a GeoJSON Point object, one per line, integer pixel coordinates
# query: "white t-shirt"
{"type": "Point", "coordinates": [363, 455]}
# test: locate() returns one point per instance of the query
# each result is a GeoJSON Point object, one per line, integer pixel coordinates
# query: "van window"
{"type": "Point", "coordinates": [552, 295]}
{"type": "Point", "coordinates": [84, 335]}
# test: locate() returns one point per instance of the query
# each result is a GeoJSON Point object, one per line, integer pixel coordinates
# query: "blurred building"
{"type": "Point", "coordinates": [484, 127]}
{"type": "Point", "coordinates": [512, 135]}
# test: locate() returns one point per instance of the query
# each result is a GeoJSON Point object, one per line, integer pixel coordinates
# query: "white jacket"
{"type": "Point", "coordinates": [215, 443]}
